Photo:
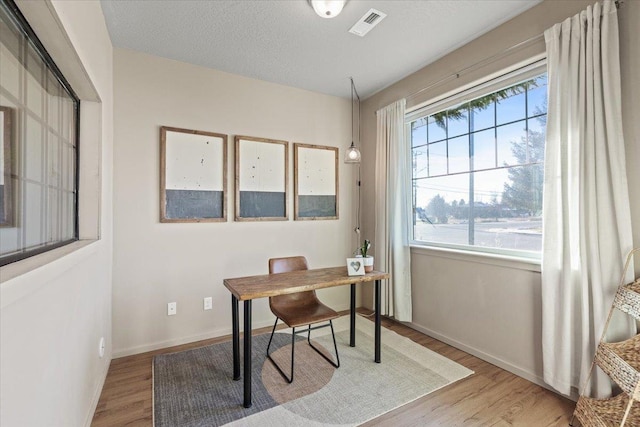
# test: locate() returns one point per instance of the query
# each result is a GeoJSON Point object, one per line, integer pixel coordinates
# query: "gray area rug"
{"type": "Point", "coordinates": [195, 387]}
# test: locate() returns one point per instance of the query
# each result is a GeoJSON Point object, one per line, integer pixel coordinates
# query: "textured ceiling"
{"type": "Point", "coordinates": [286, 42]}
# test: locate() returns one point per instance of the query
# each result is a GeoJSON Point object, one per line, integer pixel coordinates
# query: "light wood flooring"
{"type": "Point", "coordinates": [490, 397]}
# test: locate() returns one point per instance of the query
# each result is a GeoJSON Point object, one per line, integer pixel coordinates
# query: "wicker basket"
{"type": "Point", "coordinates": [621, 361]}
{"type": "Point", "coordinates": [628, 299]}
{"type": "Point", "coordinates": [606, 412]}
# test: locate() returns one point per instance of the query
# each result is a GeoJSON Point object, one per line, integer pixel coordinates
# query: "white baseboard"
{"type": "Point", "coordinates": [523, 373]}
{"type": "Point", "coordinates": [96, 395]}
{"type": "Point", "coordinates": [183, 340]}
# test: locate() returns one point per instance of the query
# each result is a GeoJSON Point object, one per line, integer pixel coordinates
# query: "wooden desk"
{"type": "Point", "coordinates": [253, 287]}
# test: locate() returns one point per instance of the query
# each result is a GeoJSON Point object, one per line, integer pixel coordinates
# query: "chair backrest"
{"type": "Point", "coordinates": [285, 265]}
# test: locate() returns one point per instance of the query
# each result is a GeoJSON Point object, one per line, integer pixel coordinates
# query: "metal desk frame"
{"type": "Point", "coordinates": [247, 289]}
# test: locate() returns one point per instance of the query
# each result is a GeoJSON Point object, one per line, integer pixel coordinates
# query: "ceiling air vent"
{"type": "Point", "coordinates": [367, 22]}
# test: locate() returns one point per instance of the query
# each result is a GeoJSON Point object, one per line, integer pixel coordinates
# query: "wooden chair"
{"type": "Point", "coordinates": [302, 308]}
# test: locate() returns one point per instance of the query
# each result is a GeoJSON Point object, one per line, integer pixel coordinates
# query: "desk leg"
{"type": "Point", "coordinates": [377, 326]}
{"type": "Point", "coordinates": [247, 354]}
{"type": "Point", "coordinates": [236, 337]}
{"type": "Point", "coordinates": [352, 341]}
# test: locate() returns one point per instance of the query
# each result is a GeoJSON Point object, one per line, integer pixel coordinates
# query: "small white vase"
{"type": "Point", "coordinates": [368, 264]}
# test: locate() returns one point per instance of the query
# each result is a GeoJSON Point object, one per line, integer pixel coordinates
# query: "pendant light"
{"type": "Point", "coordinates": [328, 8]}
{"type": "Point", "coordinates": [353, 154]}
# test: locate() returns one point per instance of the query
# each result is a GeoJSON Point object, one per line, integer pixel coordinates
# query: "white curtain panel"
{"type": "Point", "coordinates": [392, 210]}
{"type": "Point", "coordinates": [587, 219]}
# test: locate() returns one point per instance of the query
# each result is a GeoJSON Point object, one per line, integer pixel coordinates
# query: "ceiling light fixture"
{"type": "Point", "coordinates": [353, 154]}
{"type": "Point", "coordinates": [328, 8]}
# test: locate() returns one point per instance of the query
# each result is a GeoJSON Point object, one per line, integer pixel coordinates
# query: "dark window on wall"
{"type": "Point", "coordinates": [478, 169]}
{"type": "Point", "coordinates": [39, 119]}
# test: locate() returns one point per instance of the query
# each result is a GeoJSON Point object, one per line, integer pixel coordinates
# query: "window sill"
{"type": "Point", "coordinates": [21, 278]}
{"type": "Point", "coordinates": [479, 257]}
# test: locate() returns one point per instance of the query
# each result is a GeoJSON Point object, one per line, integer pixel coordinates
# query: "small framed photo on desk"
{"type": "Point", "coordinates": [355, 266]}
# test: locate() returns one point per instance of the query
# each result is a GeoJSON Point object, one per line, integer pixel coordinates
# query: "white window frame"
{"type": "Point", "coordinates": [47, 65]}
{"type": "Point", "coordinates": [480, 88]}
{"type": "Point", "coordinates": [93, 204]}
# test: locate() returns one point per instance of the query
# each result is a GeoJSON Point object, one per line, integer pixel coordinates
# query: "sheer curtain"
{"type": "Point", "coordinates": [587, 220]}
{"type": "Point", "coordinates": [392, 208]}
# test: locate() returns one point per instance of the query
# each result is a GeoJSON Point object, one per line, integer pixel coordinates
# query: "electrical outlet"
{"type": "Point", "coordinates": [172, 308]}
{"type": "Point", "coordinates": [101, 347]}
{"type": "Point", "coordinates": [208, 303]}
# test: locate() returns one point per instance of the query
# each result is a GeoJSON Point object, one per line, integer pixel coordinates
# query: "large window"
{"type": "Point", "coordinates": [38, 145]}
{"type": "Point", "coordinates": [478, 167]}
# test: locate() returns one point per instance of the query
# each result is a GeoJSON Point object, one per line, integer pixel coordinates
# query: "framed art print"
{"type": "Point", "coordinates": [6, 197]}
{"type": "Point", "coordinates": [261, 179]}
{"type": "Point", "coordinates": [193, 176]}
{"type": "Point", "coordinates": [316, 182]}
{"type": "Point", "coordinates": [355, 266]}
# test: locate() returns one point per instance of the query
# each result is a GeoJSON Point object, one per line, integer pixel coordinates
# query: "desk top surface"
{"type": "Point", "coordinates": [268, 285]}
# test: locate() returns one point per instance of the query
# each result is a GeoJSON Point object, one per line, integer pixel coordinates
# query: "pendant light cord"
{"type": "Point", "coordinates": [357, 96]}
{"type": "Point", "coordinates": [351, 111]}
{"type": "Point", "coordinates": [354, 90]}
{"type": "Point", "coordinates": [358, 206]}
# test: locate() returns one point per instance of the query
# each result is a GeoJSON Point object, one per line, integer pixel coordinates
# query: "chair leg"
{"type": "Point", "coordinates": [271, 337]}
{"type": "Point", "coordinates": [289, 379]}
{"type": "Point", "coordinates": [335, 346]}
{"type": "Point", "coordinates": [293, 341]}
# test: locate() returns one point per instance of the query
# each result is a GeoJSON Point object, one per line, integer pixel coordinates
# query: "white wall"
{"type": "Point", "coordinates": [155, 263]}
{"type": "Point", "coordinates": [53, 313]}
{"type": "Point", "coordinates": [494, 310]}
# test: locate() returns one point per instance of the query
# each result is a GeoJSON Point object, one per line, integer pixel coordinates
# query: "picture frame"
{"type": "Point", "coordinates": [6, 185]}
{"type": "Point", "coordinates": [193, 175]}
{"type": "Point", "coordinates": [316, 182]}
{"type": "Point", "coordinates": [261, 179]}
{"type": "Point", "coordinates": [355, 267]}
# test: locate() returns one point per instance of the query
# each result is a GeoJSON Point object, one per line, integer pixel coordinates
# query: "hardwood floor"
{"type": "Point", "coordinates": [490, 397]}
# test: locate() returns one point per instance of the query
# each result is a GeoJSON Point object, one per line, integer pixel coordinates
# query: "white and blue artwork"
{"type": "Point", "coordinates": [261, 179]}
{"type": "Point", "coordinates": [316, 182]}
{"type": "Point", "coordinates": [194, 176]}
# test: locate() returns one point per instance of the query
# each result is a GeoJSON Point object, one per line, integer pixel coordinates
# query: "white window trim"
{"type": "Point", "coordinates": [506, 257]}
{"type": "Point", "coordinates": [33, 263]}
{"type": "Point", "coordinates": [47, 25]}
{"type": "Point", "coordinates": [491, 258]}
{"type": "Point", "coordinates": [478, 89]}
